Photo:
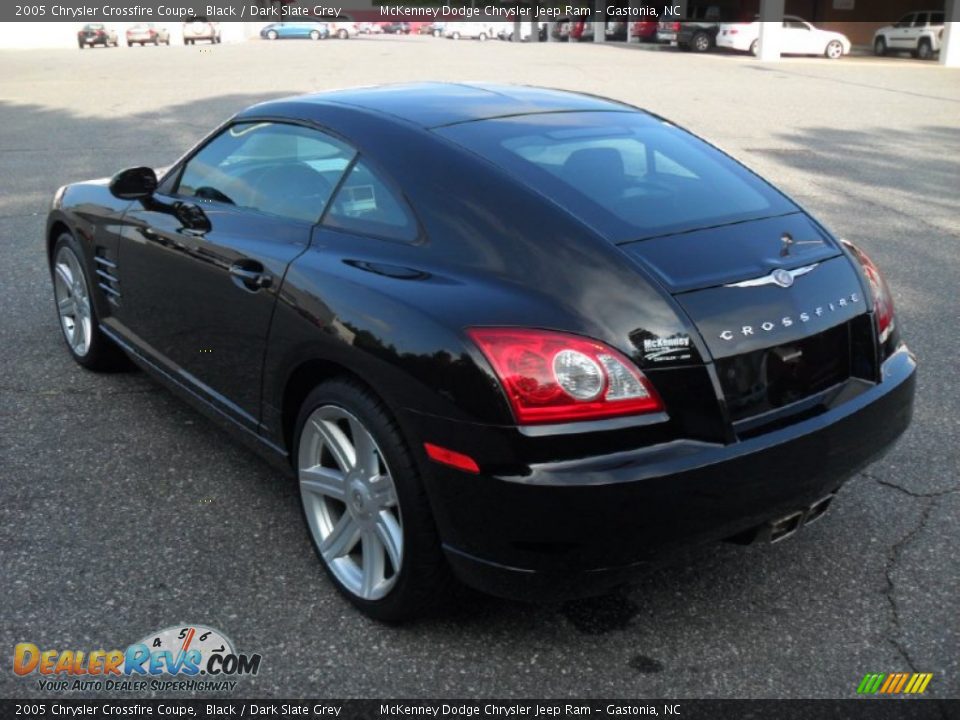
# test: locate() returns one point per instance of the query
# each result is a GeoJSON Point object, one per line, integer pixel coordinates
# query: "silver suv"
{"type": "Point", "coordinates": [919, 33]}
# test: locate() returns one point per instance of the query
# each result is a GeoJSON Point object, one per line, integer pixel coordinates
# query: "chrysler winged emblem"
{"type": "Point", "coordinates": [781, 277]}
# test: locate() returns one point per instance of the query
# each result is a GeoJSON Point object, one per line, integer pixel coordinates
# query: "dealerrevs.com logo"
{"type": "Point", "coordinates": [183, 657]}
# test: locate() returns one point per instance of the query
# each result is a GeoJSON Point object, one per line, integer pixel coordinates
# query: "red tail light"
{"type": "Point", "coordinates": [882, 299]}
{"type": "Point", "coordinates": [552, 377]}
{"type": "Point", "coordinates": [732, 31]}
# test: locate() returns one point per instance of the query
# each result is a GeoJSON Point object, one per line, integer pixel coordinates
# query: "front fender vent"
{"type": "Point", "coordinates": [107, 279]}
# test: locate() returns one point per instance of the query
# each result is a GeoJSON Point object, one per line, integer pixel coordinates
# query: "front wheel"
{"type": "Point", "coordinates": [78, 316]}
{"type": "Point", "coordinates": [456, 36]}
{"type": "Point", "coordinates": [482, 37]}
{"type": "Point", "coordinates": [880, 47]}
{"type": "Point", "coordinates": [272, 35]}
{"type": "Point", "coordinates": [314, 35]}
{"type": "Point", "coordinates": [365, 506]}
{"type": "Point", "coordinates": [925, 50]}
{"type": "Point", "coordinates": [834, 50]}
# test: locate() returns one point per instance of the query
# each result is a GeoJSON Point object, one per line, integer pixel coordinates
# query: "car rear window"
{"type": "Point", "coordinates": [627, 174]}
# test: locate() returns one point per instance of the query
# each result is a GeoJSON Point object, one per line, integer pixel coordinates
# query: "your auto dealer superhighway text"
{"type": "Point", "coordinates": [140, 12]}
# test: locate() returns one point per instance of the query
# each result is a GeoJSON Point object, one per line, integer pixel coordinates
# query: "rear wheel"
{"type": "Point", "coordinates": [314, 35]}
{"type": "Point", "coordinates": [483, 37]}
{"type": "Point", "coordinates": [343, 34]}
{"type": "Point", "coordinates": [272, 35]}
{"type": "Point", "coordinates": [456, 36]}
{"type": "Point", "coordinates": [834, 50]}
{"type": "Point", "coordinates": [755, 48]}
{"type": "Point", "coordinates": [364, 505]}
{"type": "Point", "coordinates": [925, 49]}
{"type": "Point", "coordinates": [77, 314]}
{"type": "Point", "coordinates": [700, 42]}
{"type": "Point", "coordinates": [880, 46]}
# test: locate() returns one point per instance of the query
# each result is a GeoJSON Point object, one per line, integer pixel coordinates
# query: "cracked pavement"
{"type": "Point", "coordinates": [123, 511]}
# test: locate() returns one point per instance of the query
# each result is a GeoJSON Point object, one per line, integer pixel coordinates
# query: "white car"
{"type": "Point", "coordinates": [798, 38]}
{"type": "Point", "coordinates": [199, 29]}
{"type": "Point", "coordinates": [343, 27]}
{"type": "Point", "coordinates": [473, 30]}
{"type": "Point", "coordinates": [919, 33]}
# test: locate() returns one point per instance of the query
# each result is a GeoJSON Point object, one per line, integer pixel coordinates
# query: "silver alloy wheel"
{"type": "Point", "coordinates": [701, 43]}
{"type": "Point", "coordinates": [834, 50]}
{"type": "Point", "coordinates": [73, 301]}
{"type": "Point", "coordinates": [350, 502]}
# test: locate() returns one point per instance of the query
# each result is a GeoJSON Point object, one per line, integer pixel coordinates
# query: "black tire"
{"type": "Point", "coordinates": [156, 41]}
{"type": "Point", "coordinates": [343, 34]}
{"type": "Point", "coordinates": [925, 49]}
{"type": "Point", "coordinates": [834, 50]}
{"type": "Point", "coordinates": [701, 42]}
{"type": "Point", "coordinates": [424, 581]}
{"type": "Point", "coordinates": [482, 37]}
{"type": "Point", "coordinates": [880, 46]}
{"type": "Point", "coordinates": [755, 48]}
{"type": "Point", "coordinates": [272, 35]}
{"type": "Point", "coordinates": [314, 34]}
{"type": "Point", "coordinates": [80, 45]}
{"type": "Point", "coordinates": [456, 36]}
{"type": "Point", "coordinates": [102, 355]}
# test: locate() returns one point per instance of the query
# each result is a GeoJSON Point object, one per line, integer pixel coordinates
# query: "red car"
{"type": "Point", "coordinates": [646, 31]}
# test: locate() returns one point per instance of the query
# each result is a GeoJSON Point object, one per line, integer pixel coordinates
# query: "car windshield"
{"type": "Point", "coordinates": [627, 174]}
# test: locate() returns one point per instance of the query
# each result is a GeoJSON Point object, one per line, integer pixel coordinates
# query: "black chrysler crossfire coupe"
{"type": "Point", "coordinates": [525, 338]}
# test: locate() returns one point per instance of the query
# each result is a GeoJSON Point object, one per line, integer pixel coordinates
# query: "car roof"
{"type": "Point", "coordinates": [435, 104]}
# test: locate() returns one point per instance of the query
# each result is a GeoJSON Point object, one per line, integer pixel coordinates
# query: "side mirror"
{"type": "Point", "coordinates": [134, 183]}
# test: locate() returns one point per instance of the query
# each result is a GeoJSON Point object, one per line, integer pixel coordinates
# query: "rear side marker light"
{"type": "Point", "coordinates": [445, 456]}
{"type": "Point", "coordinates": [552, 377]}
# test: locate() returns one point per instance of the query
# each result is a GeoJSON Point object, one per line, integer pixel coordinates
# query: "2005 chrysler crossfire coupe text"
{"type": "Point", "coordinates": [525, 338]}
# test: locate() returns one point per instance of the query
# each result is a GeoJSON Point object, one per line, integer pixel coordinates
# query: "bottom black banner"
{"type": "Point", "coordinates": [892, 709]}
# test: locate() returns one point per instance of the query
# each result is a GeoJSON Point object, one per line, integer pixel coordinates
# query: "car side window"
{"type": "Point", "coordinates": [366, 205]}
{"type": "Point", "coordinates": [920, 20]}
{"type": "Point", "coordinates": [284, 170]}
{"type": "Point", "coordinates": [906, 21]}
{"type": "Point", "coordinates": [936, 18]}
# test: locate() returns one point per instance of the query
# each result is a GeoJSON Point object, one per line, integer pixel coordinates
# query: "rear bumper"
{"type": "Point", "coordinates": [577, 528]}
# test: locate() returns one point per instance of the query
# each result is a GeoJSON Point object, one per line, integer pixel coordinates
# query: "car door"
{"type": "Point", "coordinates": [797, 37]}
{"type": "Point", "coordinates": [900, 34]}
{"type": "Point", "coordinates": [202, 260]}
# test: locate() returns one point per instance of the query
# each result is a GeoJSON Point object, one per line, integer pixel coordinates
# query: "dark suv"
{"type": "Point", "coordinates": [699, 33]}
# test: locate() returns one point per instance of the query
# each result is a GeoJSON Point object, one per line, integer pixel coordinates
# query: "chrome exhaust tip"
{"type": "Point", "coordinates": [784, 527]}
{"type": "Point", "coordinates": [818, 509]}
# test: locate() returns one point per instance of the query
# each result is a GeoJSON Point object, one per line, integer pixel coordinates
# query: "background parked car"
{"type": "Point", "coordinates": [343, 27]}
{"type": "Point", "coordinates": [311, 30]}
{"type": "Point", "coordinates": [96, 34]}
{"type": "Point", "coordinates": [799, 38]}
{"type": "Point", "coordinates": [397, 28]}
{"type": "Point", "coordinates": [667, 31]}
{"type": "Point", "coordinates": [919, 33]}
{"type": "Point", "coordinates": [435, 29]}
{"type": "Point", "coordinates": [700, 32]}
{"type": "Point", "coordinates": [147, 33]}
{"type": "Point", "coordinates": [472, 30]}
{"type": "Point", "coordinates": [561, 29]}
{"type": "Point", "coordinates": [369, 28]}
{"type": "Point", "coordinates": [645, 30]}
{"type": "Point", "coordinates": [199, 29]}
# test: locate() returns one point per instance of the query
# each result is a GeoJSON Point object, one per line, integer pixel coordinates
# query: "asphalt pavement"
{"type": "Point", "coordinates": [123, 511]}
